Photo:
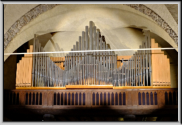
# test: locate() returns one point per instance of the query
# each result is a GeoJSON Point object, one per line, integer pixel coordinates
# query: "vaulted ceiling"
{"type": "Point", "coordinates": [173, 9]}
{"type": "Point", "coordinates": [119, 23]}
{"type": "Point", "coordinates": [15, 11]}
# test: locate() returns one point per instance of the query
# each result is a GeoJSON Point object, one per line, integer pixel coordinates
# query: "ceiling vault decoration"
{"type": "Point", "coordinates": [161, 22]}
{"type": "Point", "coordinates": [33, 13]}
{"type": "Point", "coordinates": [25, 19]}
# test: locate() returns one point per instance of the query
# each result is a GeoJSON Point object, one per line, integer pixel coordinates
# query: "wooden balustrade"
{"type": "Point", "coordinates": [114, 98]}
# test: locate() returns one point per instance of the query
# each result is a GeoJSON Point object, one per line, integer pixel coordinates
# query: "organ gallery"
{"type": "Point", "coordinates": [97, 67]}
{"type": "Point", "coordinates": [91, 78]}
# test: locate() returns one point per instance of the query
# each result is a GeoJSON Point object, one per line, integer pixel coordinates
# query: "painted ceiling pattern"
{"type": "Point", "coordinates": [33, 13]}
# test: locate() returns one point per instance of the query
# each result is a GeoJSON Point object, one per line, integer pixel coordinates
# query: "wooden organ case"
{"type": "Point", "coordinates": [94, 64]}
{"type": "Point", "coordinates": [92, 75]}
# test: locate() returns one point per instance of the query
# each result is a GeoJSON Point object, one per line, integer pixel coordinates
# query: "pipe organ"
{"type": "Point", "coordinates": [81, 67]}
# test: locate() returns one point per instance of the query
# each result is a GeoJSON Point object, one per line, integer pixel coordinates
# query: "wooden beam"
{"type": "Point", "coordinates": [94, 87]}
{"type": "Point", "coordinates": [40, 88]}
{"type": "Point", "coordinates": [142, 87]}
{"type": "Point", "coordinates": [54, 59]}
{"type": "Point", "coordinates": [89, 86]}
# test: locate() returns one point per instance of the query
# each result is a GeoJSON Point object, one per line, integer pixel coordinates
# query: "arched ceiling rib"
{"type": "Point", "coordinates": [13, 12]}
{"type": "Point", "coordinates": [14, 22]}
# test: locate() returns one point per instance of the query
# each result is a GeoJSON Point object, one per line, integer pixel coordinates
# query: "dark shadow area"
{"type": "Point", "coordinates": [22, 49]}
{"type": "Point", "coordinates": [104, 112]}
{"type": "Point", "coordinates": [10, 66]}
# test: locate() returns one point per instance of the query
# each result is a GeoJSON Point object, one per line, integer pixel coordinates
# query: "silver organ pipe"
{"type": "Point", "coordinates": [92, 68]}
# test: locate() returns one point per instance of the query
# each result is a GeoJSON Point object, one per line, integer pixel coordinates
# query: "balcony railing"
{"type": "Point", "coordinates": [90, 98]}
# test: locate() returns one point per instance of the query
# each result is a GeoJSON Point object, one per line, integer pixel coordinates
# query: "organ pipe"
{"type": "Point", "coordinates": [92, 68]}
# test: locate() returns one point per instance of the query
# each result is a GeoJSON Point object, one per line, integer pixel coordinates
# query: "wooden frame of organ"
{"type": "Point", "coordinates": [144, 68]}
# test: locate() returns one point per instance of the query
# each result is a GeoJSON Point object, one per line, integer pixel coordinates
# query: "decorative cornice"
{"type": "Point", "coordinates": [25, 19]}
{"type": "Point", "coordinates": [147, 11]}
{"type": "Point", "coordinates": [33, 13]}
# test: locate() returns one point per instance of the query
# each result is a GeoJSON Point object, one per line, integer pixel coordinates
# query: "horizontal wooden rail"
{"type": "Point", "coordinates": [93, 87]}
{"type": "Point", "coordinates": [89, 86]}
{"type": "Point", "coordinates": [37, 88]}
